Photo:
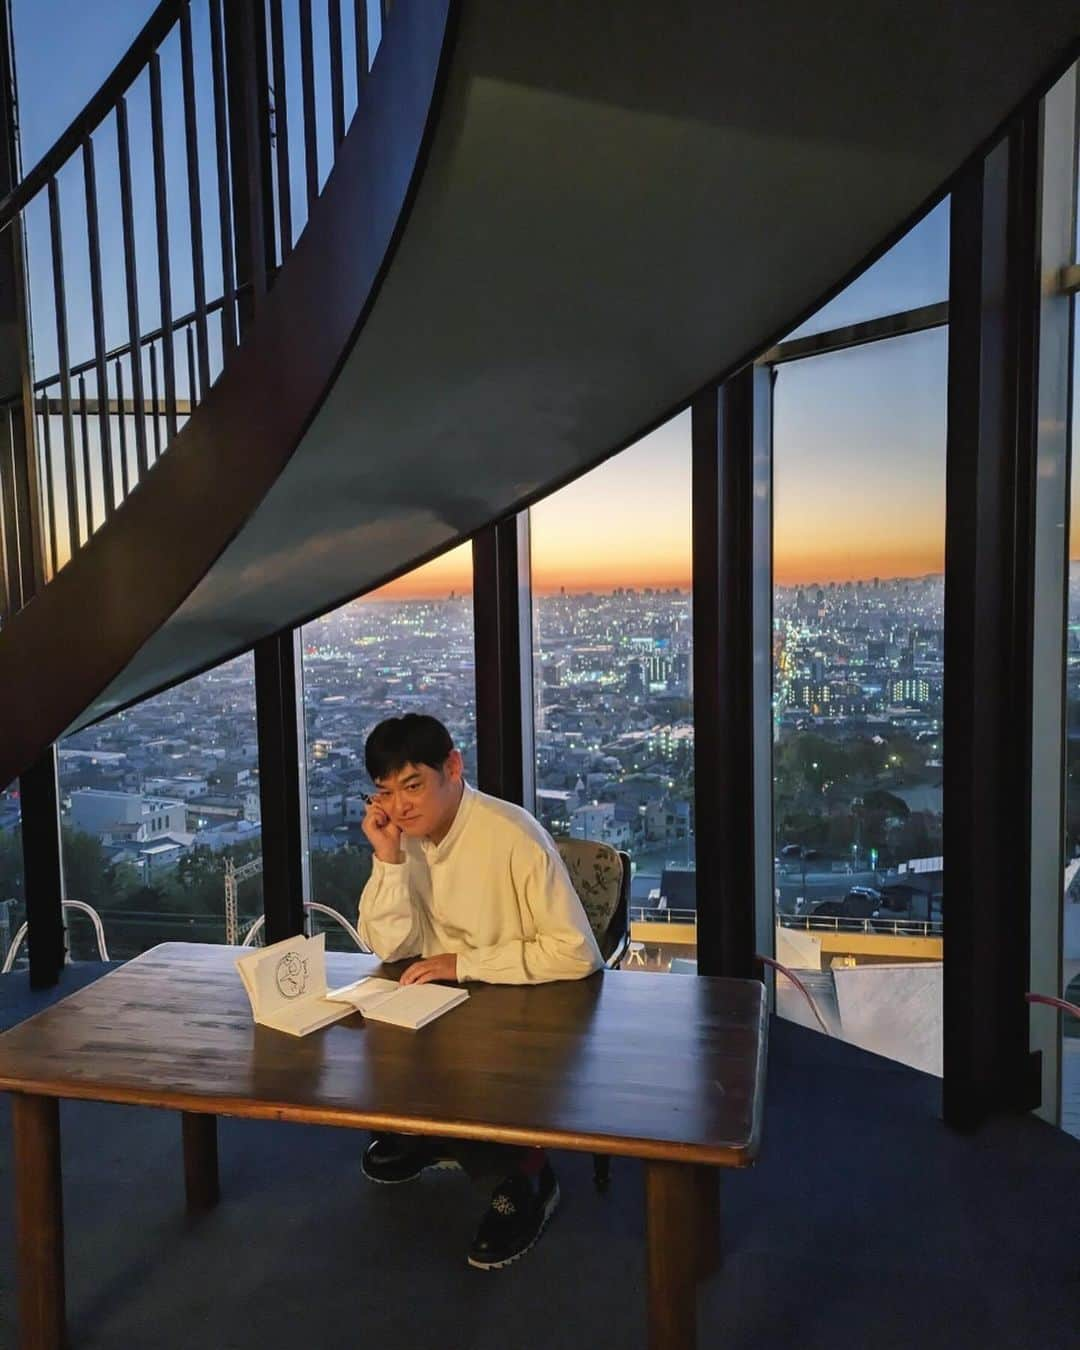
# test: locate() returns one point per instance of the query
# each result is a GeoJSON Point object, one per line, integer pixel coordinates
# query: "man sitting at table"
{"type": "Point", "coordinates": [474, 887]}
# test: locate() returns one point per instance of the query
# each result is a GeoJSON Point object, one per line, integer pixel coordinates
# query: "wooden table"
{"type": "Point", "coordinates": [665, 1068]}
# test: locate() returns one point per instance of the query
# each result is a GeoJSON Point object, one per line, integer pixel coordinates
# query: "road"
{"type": "Point", "coordinates": [789, 881]}
{"type": "Point", "coordinates": [819, 886]}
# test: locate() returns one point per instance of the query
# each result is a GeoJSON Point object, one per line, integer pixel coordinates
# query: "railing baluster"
{"type": "Point", "coordinates": [191, 131]}
{"type": "Point", "coordinates": [8, 538]}
{"type": "Point", "coordinates": [88, 477]}
{"type": "Point", "coordinates": [161, 212]}
{"type": "Point", "coordinates": [125, 483]}
{"type": "Point", "coordinates": [281, 129]}
{"type": "Point", "coordinates": [337, 74]}
{"type": "Point", "coordinates": [307, 73]}
{"type": "Point", "coordinates": [361, 29]}
{"type": "Point", "coordinates": [155, 406]}
{"type": "Point", "coordinates": [50, 486]}
{"type": "Point", "coordinates": [221, 140]}
{"type": "Point", "coordinates": [64, 362]}
{"type": "Point", "coordinates": [100, 368]}
{"type": "Point", "coordinates": [138, 396]}
{"type": "Point", "coordinates": [194, 394]}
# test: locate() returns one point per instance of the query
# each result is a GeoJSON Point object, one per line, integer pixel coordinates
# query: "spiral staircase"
{"type": "Point", "coordinates": [441, 257]}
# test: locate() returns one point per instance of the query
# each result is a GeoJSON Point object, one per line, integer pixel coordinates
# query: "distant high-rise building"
{"type": "Point", "coordinates": [909, 691]}
{"type": "Point", "coordinates": [811, 694]}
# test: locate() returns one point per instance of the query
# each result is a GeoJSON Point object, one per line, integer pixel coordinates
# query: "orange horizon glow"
{"type": "Point", "coordinates": [836, 564]}
{"type": "Point", "coordinates": [453, 572]}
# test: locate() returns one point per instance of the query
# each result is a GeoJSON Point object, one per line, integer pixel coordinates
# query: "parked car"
{"type": "Point", "coordinates": [835, 916]}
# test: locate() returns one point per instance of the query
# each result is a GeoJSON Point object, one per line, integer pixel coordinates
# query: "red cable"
{"type": "Point", "coordinates": [1059, 1003]}
{"type": "Point", "coordinates": [790, 974]}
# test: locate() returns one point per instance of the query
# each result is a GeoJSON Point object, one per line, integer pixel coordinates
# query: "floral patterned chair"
{"type": "Point", "coordinates": [601, 877]}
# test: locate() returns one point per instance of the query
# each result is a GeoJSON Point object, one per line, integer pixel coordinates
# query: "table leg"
{"type": "Point", "coordinates": [39, 1222]}
{"type": "Point", "coordinates": [200, 1162]}
{"type": "Point", "coordinates": [710, 1248]}
{"type": "Point", "coordinates": [682, 1214]}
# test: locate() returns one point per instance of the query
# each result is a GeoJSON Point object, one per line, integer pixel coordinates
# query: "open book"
{"type": "Point", "coordinates": [286, 984]}
{"type": "Point", "coordinates": [402, 1005]}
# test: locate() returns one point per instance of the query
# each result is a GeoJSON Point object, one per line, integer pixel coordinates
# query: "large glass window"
{"type": "Point", "coordinates": [12, 901]}
{"type": "Point", "coordinates": [914, 273]}
{"type": "Point", "coordinates": [407, 647]}
{"type": "Point", "coordinates": [1070, 950]}
{"type": "Point", "coordinates": [613, 678]}
{"type": "Point", "coordinates": [160, 818]}
{"type": "Point", "coordinates": [859, 524]}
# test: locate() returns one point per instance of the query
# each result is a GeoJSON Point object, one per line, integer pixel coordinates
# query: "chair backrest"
{"type": "Point", "coordinates": [601, 877]}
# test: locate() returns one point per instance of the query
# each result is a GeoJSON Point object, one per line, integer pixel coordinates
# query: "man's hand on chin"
{"type": "Point", "coordinates": [433, 968]}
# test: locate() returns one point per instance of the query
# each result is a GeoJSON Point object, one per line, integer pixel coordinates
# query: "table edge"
{"type": "Point", "coordinates": [730, 1154]}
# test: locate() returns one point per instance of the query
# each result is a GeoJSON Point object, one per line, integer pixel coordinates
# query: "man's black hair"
{"type": "Point", "coordinates": [415, 738]}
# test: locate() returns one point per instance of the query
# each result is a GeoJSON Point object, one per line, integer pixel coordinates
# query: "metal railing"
{"type": "Point", "coordinates": [178, 175]}
{"type": "Point", "coordinates": [311, 906]}
{"type": "Point", "coordinates": [82, 907]}
{"type": "Point", "coordinates": [790, 975]}
{"type": "Point", "coordinates": [647, 914]}
{"type": "Point", "coordinates": [873, 927]}
{"type": "Point", "coordinates": [1060, 1004]}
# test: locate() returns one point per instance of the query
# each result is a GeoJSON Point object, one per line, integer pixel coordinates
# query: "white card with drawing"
{"type": "Point", "coordinates": [286, 984]}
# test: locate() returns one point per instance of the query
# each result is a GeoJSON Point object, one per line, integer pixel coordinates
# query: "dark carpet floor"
{"type": "Point", "coordinates": [865, 1224]}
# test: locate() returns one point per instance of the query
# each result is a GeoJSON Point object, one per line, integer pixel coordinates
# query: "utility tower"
{"type": "Point", "coordinates": [233, 877]}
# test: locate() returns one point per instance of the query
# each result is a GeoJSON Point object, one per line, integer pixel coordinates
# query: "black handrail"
{"type": "Point", "coordinates": [126, 71]}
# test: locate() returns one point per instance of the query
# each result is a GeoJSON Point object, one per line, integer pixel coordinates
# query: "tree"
{"type": "Point", "coordinates": [880, 800]}
{"type": "Point", "coordinates": [337, 879]}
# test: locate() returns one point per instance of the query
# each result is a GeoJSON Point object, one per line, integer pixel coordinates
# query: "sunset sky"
{"type": "Point", "coordinates": [859, 463]}
{"type": "Point", "coordinates": [859, 486]}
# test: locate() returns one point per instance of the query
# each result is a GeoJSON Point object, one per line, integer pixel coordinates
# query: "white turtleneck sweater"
{"type": "Point", "coordinates": [495, 892]}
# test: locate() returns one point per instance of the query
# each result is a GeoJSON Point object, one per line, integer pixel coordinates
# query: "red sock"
{"type": "Point", "coordinates": [532, 1162]}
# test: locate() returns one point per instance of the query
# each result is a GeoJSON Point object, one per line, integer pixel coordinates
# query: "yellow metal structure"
{"type": "Point", "coordinates": [862, 946]}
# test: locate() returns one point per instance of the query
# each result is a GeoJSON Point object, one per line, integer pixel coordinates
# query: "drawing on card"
{"type": "Point", "coordinates": [292, 975]}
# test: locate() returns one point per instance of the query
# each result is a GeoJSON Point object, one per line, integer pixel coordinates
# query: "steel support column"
{"type": "Point", "coordinates": [279, 709]}
{"type": "Point", "coordinates": [732, 672]}
{"type": "Point", "coordinates": [22, 558]}
{"type": "Point", "coordinates": [1058, 176]}
{"type": "Point", "coordinates": [502, 619]}
{"type": "Point", "coordinates": [248, 96]}
{"type": "Point", "coordinates": [989, 534]}
{"type": "Point", "coordinates": [43, 869]}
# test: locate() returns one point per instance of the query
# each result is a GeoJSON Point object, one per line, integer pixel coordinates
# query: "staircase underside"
{"type": "Point", "coordinates": [620, 203]}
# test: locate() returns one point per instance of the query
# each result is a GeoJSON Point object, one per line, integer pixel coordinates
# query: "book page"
{"type": "Point", "coordinates": [363, 995]}
{"type": "Point", "coordinates": [415, 1005]}
{"type": "Point", "coordinates": [289, 972]}
{"type": "Point", "coordinates": [309, 1015]}
{"type": "Point", "coordinates": [284, 975]}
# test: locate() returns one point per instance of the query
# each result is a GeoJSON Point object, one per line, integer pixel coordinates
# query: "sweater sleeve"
{"type": "Point", "coordinates": [390, 921]}
{"type": "Point", "coordinates": [562, 948]}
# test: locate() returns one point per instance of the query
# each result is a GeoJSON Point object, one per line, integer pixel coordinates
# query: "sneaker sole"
{"type": "Point", "coordinates": [550, 1206]}
{"type": "Point", "coordinates": [443, 1165]}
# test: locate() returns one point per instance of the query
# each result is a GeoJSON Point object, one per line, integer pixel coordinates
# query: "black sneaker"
{"type": "Point", "coordinates": [392, 1158]}
{"type": "Point", "coordinates": [518, 1214]}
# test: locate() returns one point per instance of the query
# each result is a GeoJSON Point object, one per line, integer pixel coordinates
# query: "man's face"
{"type": "Point", "coordinates": [421, 800]}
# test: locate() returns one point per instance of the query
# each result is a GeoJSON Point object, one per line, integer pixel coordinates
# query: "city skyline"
{"type": "Point", "coordinates": [435, 582]}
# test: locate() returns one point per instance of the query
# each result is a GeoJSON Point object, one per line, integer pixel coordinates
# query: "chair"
{"type": "Point", "coordinates": [601, 876]}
